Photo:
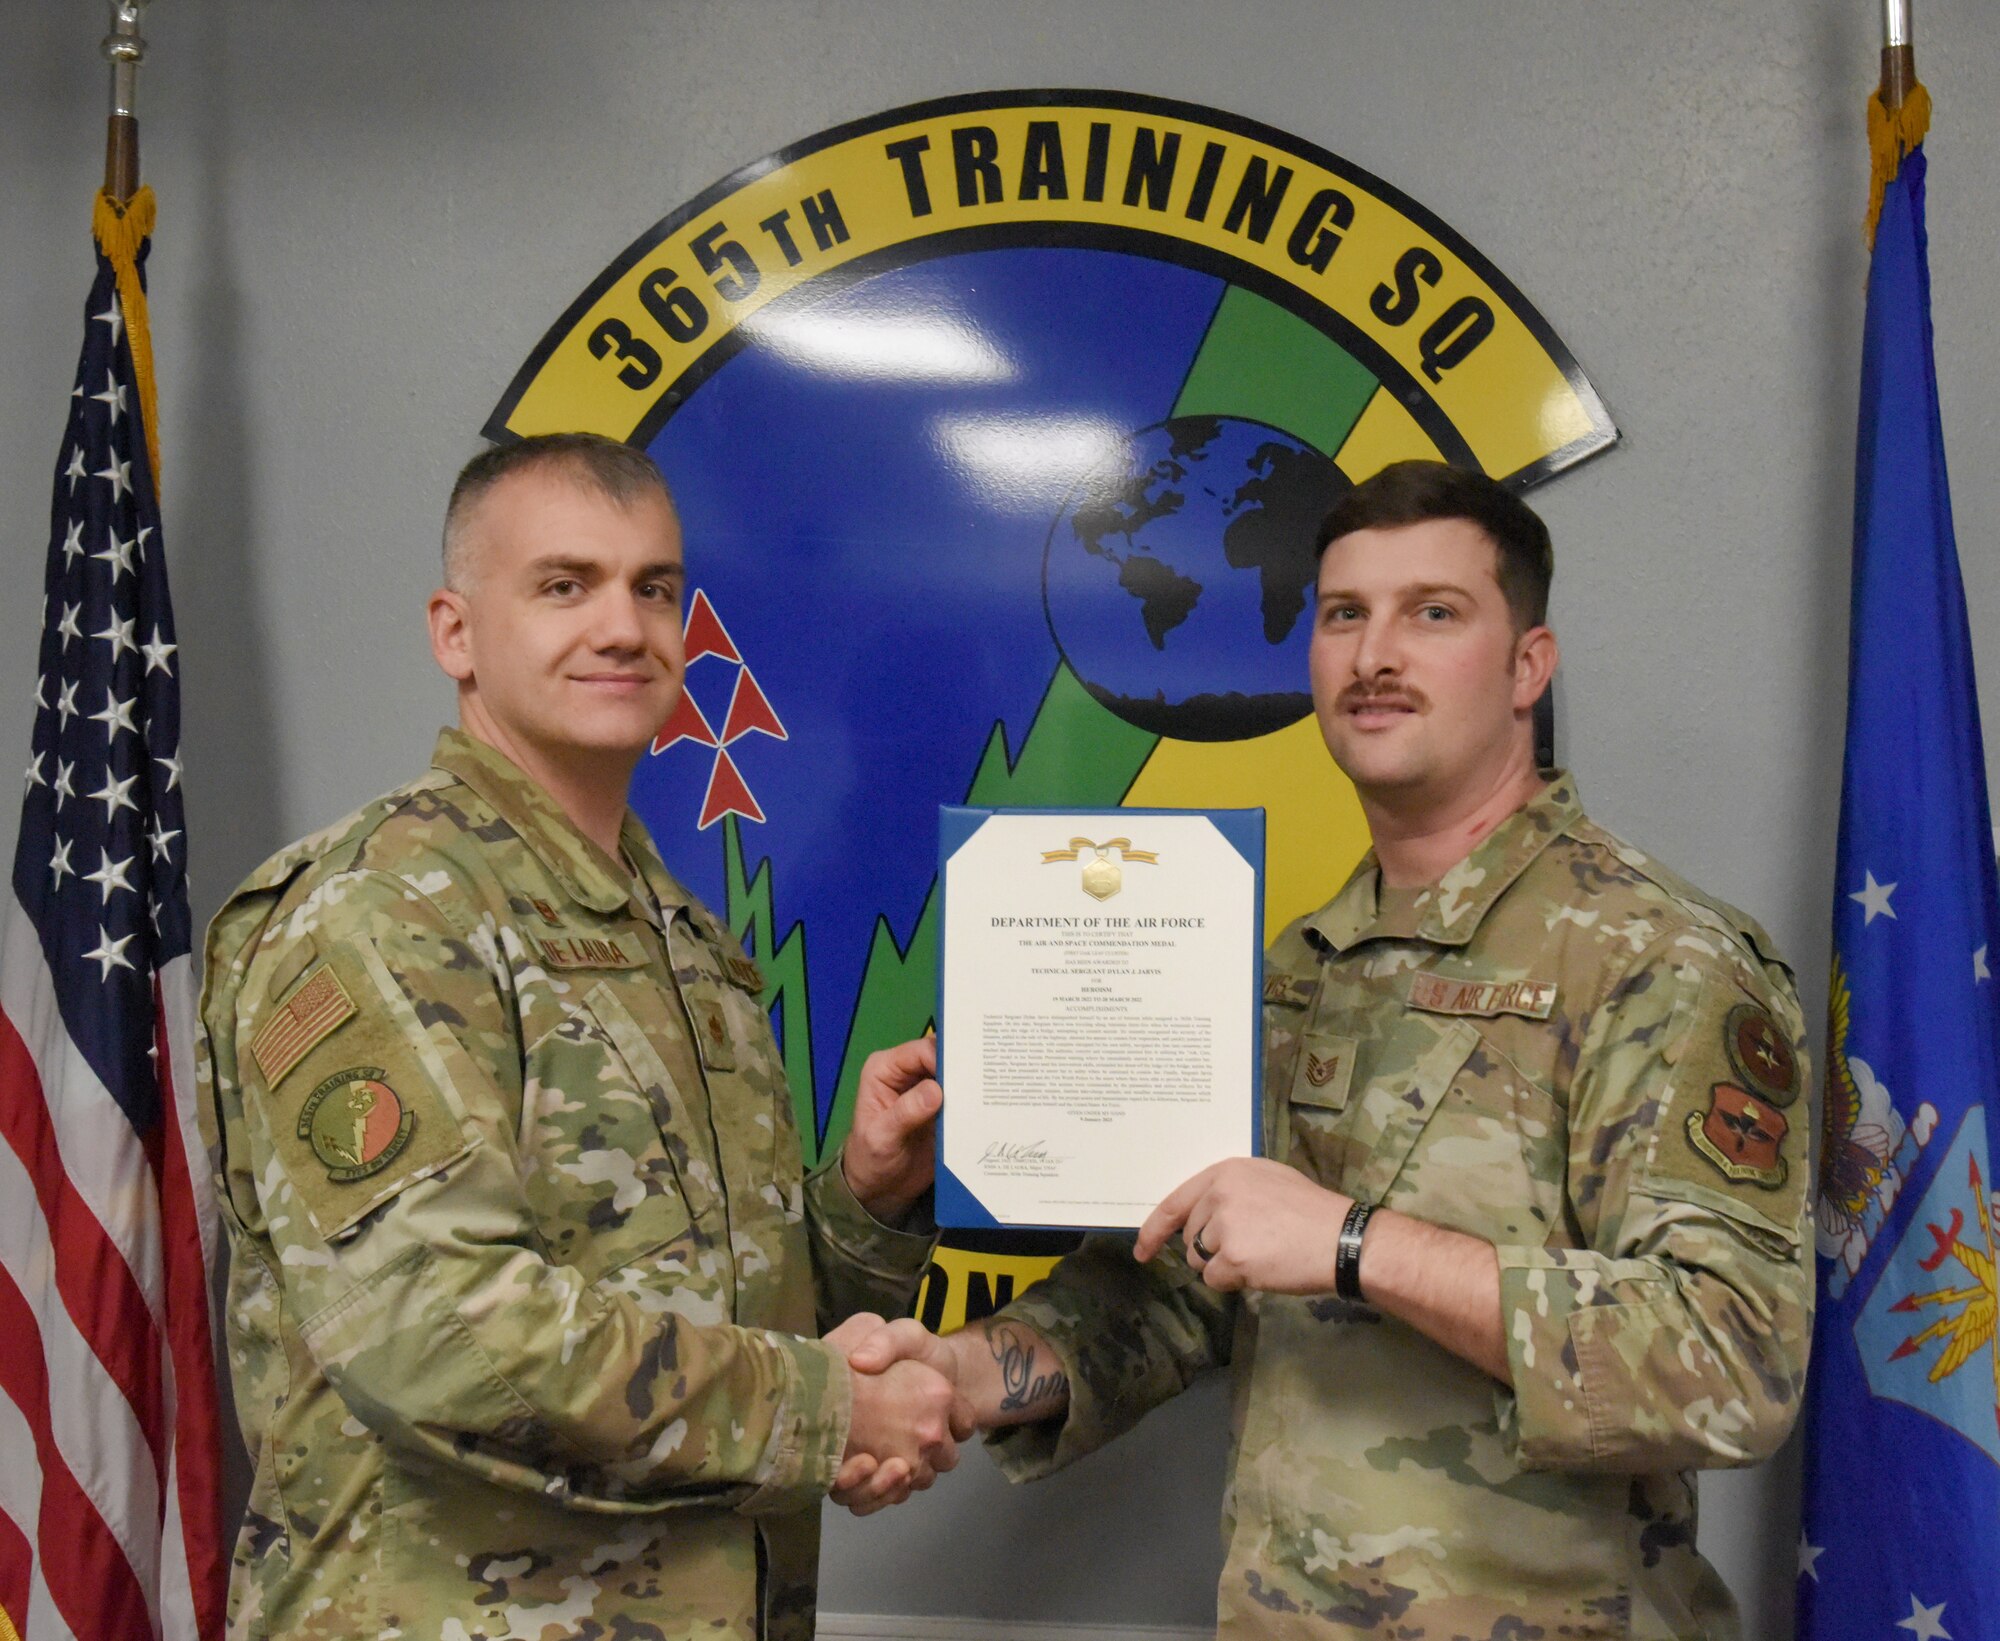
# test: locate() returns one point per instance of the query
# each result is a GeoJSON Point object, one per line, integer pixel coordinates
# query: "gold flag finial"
{"type": "Point", "coordinates": [1899, 111]}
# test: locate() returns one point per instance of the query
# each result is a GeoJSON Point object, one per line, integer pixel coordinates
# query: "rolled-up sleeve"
{"type": "Point", "coordinates": [1676, 1337]}
{"type": "Point", "coordinates": [1128, 1336]}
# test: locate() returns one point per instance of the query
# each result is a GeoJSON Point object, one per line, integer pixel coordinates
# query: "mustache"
{"type": "Point", "coordinates": [1356, 696]}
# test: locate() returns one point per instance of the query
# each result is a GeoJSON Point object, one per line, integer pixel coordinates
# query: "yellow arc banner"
{"type": "Point", "coordinates": [1469, 358]}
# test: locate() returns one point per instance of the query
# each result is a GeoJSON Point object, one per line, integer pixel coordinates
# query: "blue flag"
{"type": "Point", "coordinates": [1902, 1503]}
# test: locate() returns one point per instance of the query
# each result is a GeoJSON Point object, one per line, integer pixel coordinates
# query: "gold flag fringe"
{"type": "Point", "coordinates": [1892, 133]}
{"type": "Point", "coordinates": [122, 230]}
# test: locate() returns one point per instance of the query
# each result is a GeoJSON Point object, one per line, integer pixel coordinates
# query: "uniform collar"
{"type": "Point", "coordinates": [588, 875]}
{"type": "Point", "coordinates": [1451, 910]}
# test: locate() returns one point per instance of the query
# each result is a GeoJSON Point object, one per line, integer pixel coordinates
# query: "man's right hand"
{"type": "Point", "coordinates": [1002, 1371]}
{"type": "Point", "coordinates": [906, 1424]}
{"type": "Point", "coordinates": [908, 1340]}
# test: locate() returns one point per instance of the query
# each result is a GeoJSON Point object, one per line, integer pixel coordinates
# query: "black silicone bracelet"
{"type": "Point", "coordinates": [1347, 1251]}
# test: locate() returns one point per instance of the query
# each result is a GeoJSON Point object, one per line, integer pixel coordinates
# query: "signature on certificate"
{"type": "Point", "coordinates": [1005, 1156]}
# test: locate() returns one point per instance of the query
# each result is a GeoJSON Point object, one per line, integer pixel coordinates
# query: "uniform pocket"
{"type": "Point", "coordinates": [1315, 1103]}
{"type": "Point", "coordinates": [609, 1174]}
{"type": "Point", "coordinates": [752, 1100]}
{"type": "Point", "coordinates": [1395, 1086]}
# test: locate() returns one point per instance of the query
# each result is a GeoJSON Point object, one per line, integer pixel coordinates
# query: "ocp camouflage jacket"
{"type": "Point", "coordinates": [1566, 1051]}
{"type": "Point", "coordinates": [524, 1265]}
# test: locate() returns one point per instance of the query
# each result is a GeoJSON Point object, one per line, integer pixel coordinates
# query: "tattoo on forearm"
{"type": "Point", "coordinates": [1021, 1387]}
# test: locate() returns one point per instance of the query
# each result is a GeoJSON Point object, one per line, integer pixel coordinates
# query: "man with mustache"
{"type": "Point", "coordinates": [1528, 1247]}
{"type": "Point", "coordinates": [526, 1276]}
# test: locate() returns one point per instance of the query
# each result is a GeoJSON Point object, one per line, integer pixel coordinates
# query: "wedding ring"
{"type": "Point", "coordinates": [1202, 1250]}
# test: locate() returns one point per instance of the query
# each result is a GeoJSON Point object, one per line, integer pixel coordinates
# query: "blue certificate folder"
{"type": "Point", "coordinates": [958, 1204]}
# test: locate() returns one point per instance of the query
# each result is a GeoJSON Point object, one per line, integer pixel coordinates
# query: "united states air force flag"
{"type": "Point", "coordinates": [1902, 1508]}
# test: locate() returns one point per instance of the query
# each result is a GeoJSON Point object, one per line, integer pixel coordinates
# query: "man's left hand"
{"type": "Point", "coordinates": [1251, 1223]}
{"type": "Point", "coordinates": [892, 1148]}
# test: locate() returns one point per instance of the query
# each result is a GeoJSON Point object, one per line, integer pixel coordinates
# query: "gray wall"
{"type": "Point", "coordinates": [370, 212]}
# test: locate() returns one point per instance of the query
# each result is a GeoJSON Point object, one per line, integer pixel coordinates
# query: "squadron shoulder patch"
{"type": "Point", "coordinates": [1741, 1135]}
{"type": "Point", "coordinates": [1760, 1053]}
{"type": "Point", "coordinates": [355, 1123]}
{"type": "Point", "coordinates": [314, 1010]}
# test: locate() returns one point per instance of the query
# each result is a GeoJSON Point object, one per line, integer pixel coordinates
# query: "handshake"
{"type": "Point", "coordinates": [909, 1412]}
{"type": "Point", "coordinates": [1249, 1222]}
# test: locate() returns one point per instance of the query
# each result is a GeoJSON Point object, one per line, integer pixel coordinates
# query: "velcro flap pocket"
{"type": "Point", "coordinates": [631, 1149]}
{"type": "Point", "coordinates": [370, 1109]}
{"type": "Point", "coordinates": [1412, 1070]}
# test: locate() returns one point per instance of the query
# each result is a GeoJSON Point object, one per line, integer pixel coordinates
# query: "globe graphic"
{"type": "Point", "coordinates": [1179, 577]}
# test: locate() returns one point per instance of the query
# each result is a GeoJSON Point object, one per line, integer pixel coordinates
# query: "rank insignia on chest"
{"type": "Point", "coordinates": [314, 1011]}
{"type": "Point", "coordinates": [585, 951]}
{"type": "Point", "coordinates": [1321, 1069]}
{"type": "Point", "coordinates": [1740, 1133]}
{"type": "Point", "coordinates": [1435, 994]}
{"type": "Point", "coordinates": [547, 913]}
{"type": "Point", "coordinates": [355, 1123]}
{"type": "Point", "coordinates": [711, 1029]}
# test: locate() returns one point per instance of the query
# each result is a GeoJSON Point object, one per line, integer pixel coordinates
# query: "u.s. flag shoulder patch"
{"type": "Point", "coordinates": [314, 1010]}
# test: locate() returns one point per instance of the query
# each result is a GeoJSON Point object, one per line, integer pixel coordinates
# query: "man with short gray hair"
{"type": "Point", "coordinates": [526, 1274]}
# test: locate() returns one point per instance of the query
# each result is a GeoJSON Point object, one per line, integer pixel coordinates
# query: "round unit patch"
{"type": "Point", "coordinates": [355, 1123]}
{"type": "Point", "coordinates": [1760, 1053]}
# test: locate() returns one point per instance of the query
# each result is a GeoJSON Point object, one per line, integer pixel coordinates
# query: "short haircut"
{"type": "Point", "coordinates": [1413, 492]}
{"type": "Point", "coordinates": [615, 471]}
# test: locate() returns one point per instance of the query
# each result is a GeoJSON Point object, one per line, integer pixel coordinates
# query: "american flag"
{"type": "Point", "coordinates": [109, 1472]}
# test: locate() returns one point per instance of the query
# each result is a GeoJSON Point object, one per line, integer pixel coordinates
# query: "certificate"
{"type": "Point", "coordinates": [1100, 976]}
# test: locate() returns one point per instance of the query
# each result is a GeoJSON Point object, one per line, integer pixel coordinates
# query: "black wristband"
{"type": "Point", "coordinates": [1347, 1251]}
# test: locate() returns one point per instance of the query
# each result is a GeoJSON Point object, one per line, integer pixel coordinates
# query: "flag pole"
{"type": "Point", "coordinates": [123, 49]}
{"type": "Point", "coordinates": [1899, 112]}
{"type": "Point", "coordinates": [1899, 53]}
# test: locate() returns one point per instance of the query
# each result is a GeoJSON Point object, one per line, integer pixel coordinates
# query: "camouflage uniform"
{"type": "Point", "coordinates": [1566, 1051]}
{"type": "Point", "coordinates": [524, 1262]}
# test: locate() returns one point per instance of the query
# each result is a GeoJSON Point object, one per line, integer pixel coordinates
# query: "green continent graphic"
{"type": "Point", "coordinates": [1075, 753]}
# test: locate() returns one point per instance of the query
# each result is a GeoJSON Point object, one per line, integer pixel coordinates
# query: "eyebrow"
{"type": "Point", "coordinates": [584, 568]}
{"type": "Point", "coordinates": [1429, 589]}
